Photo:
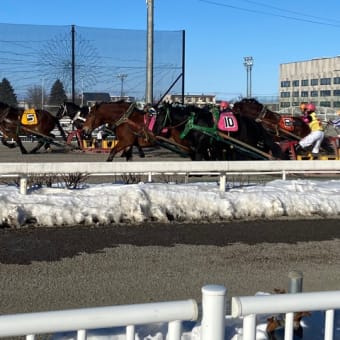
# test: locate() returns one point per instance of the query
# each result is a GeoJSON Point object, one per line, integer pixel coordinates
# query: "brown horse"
{"type": "Point", "coordinates": [127, 122]}
{"type": "Point", "coordinates": [283, 127]}
{"type": "Point", "coordinates": [15, 122]}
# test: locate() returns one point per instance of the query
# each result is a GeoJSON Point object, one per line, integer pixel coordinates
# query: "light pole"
{"type": "Point", "coordinates": [122, 76]}
{"type": "Point", "coordinates": [248, 63]}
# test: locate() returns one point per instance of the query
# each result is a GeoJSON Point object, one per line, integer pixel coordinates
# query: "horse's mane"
{"type": "Point", "coordinates": [250, 101]}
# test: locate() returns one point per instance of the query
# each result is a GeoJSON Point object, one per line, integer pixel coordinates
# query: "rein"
{"type": "Point", "coordinates": [125, 116]}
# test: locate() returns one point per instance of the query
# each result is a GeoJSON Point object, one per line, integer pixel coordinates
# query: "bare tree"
{"type": "Point", "coordinates": [36, 96]}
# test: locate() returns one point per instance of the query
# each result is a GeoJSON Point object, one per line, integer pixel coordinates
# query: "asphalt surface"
{"type": "Point", "coordinates": [60, 268]}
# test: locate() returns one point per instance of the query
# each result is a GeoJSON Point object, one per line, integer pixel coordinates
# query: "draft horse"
{"type": "Point", "coordinates": [76, 113]}
{"type": "Point", "coordinates": [281, 127]}
{"type": "Point", "coordinates": [196, 128]}
{"type": "Point", "coordinates": [39, 123]}
{"type": "Point", "coordinates": [127, 122]}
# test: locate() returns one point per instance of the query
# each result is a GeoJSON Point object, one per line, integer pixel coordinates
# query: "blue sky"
{"type": "Point", "coordinates": [219, 33]}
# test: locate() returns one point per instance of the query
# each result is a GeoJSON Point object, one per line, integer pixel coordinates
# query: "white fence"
{"type": "Point", "coordinates": [213, 322]}
{"type": "Point", "coordinates": [218, 168]}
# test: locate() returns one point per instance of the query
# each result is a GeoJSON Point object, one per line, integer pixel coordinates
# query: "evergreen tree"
{"type": "Point", "coordinates": [7, 94]}
{"type": "Point", "coordinates": [57, 95]}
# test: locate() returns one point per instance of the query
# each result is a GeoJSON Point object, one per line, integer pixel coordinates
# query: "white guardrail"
{"type": "Point", "coordinates": [217, 168]}
{"type": "Point", "coordinates": [213, 322]}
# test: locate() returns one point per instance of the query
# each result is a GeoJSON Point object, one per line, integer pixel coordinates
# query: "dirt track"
{"type": "Point", "coordinates": [43, 269]}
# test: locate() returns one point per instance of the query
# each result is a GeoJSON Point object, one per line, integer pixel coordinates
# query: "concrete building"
{"type": "Point", "coordinates": [316, 81]}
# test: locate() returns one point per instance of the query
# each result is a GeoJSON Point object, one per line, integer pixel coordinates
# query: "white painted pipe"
{"type": "Point", "coordinates": [101, 317]}
{"type": "Point", "coordinates": [285, 303]}
{"type": "Point", "coordinates": [214, 311]}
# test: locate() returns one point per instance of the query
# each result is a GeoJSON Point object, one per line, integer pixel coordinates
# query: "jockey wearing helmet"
{"type": "Point", "coordinates": [316, 135]}
{"type": "Point", "coordinates": [224, 106]}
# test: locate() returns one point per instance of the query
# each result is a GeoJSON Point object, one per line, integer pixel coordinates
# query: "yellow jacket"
{"type": "Point", "coordinates": [314, 123]}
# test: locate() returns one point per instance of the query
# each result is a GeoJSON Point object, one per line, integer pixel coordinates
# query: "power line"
{"type": "Point", "coordinates": [216, 3]}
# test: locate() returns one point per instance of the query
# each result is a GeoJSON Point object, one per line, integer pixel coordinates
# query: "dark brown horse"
{"type": "Point", "coordinates": [283, 127]}
{"type": "Point", "coordinates": [16, 122]}
{"type": "Point", "coordinates": [127, 122]}
{"type": "Point", "coordinates": [196, 130]}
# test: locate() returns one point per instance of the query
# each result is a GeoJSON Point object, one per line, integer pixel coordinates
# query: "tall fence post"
{"type": "Point", "coordinates": [214, 310]}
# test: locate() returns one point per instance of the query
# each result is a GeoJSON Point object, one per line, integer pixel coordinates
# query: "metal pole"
{"type": "Point", "coordinates": [183, 66]}
{"type": "Point", "coordinates": [73, 64]}
{"type": "Point", "coordinates": [149, 68]}
{"type": "Point", "coordinates": [248, 63]}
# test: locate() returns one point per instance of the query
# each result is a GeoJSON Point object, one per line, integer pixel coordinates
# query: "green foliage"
{"type": "Point", "coordinates": [7, 94]}
{"type": "Point", "coordinates": [57, 95]}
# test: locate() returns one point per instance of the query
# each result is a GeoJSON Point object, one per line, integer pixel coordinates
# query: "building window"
{"type": "Point", "coordinates": [285, 83]}
{"type": "Point", "coordinates": [336, 93]}
{"type": "Point", "coordinates": [325, 81]}
{"type": "Point", "coordinates": [314, 82]}
{"type": "Point", "coordinates": [285, 104]}
{"type": "Point", "coordinates": [325, 104]}
{"type": "Point", "coordinates": [313, 93]}
{"type": "Point", "coordinates": [285, 94]}
{"type": "Point", "coordinates": [295, 93]}
{"type": "Point", "coordinates": [325, 93]}
{"type": "Point", "coordinates": [336, 104]}
{"type": "Point", "coordinates": [295, 83]}
{"type": "Point", "coordinates": [304, 94]}
{"type": "Point", "coordinates": [336, 80]}
{"type": "Point", "coordinates": [304, 82]}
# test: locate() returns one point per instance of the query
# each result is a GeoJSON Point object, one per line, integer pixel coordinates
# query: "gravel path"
{"type": "Point", "coordinates": [47, 269]}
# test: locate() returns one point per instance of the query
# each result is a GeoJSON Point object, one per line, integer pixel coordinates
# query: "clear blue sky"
{"type": "Point", "coordinates": [219, 33]}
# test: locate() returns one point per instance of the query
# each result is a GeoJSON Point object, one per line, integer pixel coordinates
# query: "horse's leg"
{"type": "Point", "coordinates": [12, 145]}
{"type": "Point", "coordinates": [61, 130]}
{"type": "Point", "coordinates": [117, 148]}
{"type": "Point", "coordinates": [127, 153]}
{"type": "Point", "coordinates": [39, 145]}
{"type": "Point", "coordinates": [140, 150]}
{"type": "Point", "coordinates": [20, 145]}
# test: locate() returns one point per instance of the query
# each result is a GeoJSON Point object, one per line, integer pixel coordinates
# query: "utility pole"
{"type": "Point", "coordinates": [248, 63]}
{"type": "Point", "coordinates": [149, 62]}
{"type": "Point", "coordinates": [122, 77]}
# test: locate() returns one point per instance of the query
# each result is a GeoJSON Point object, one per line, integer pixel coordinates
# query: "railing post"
{"type": "Point", "coordinates": [23, 185]}
{"type": "Point", "coordinates": [214, 310]}
{"type": "Point", "coordinates": [295, 281]}
{"type": "Point", "coordinates": [222, 182]}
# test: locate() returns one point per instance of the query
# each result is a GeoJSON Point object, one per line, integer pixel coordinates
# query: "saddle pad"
{"type": "Point", "coordinates": [227, 122]}
{"type": "Point", "coordinates": [29, 117]}
{"type": "Point", "coordinates": [287, 123]}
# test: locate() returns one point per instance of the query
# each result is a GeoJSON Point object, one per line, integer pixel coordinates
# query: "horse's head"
{"type": "Point", "coordinates": [91, 121]}
{"type": "Point", "coordinates": [68, 109]}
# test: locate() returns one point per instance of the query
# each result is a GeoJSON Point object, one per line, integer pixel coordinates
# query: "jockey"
{"type": "Point", "coordinates": [316, 135]}
{"type": "Point", "coordinates": [224, 107]}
